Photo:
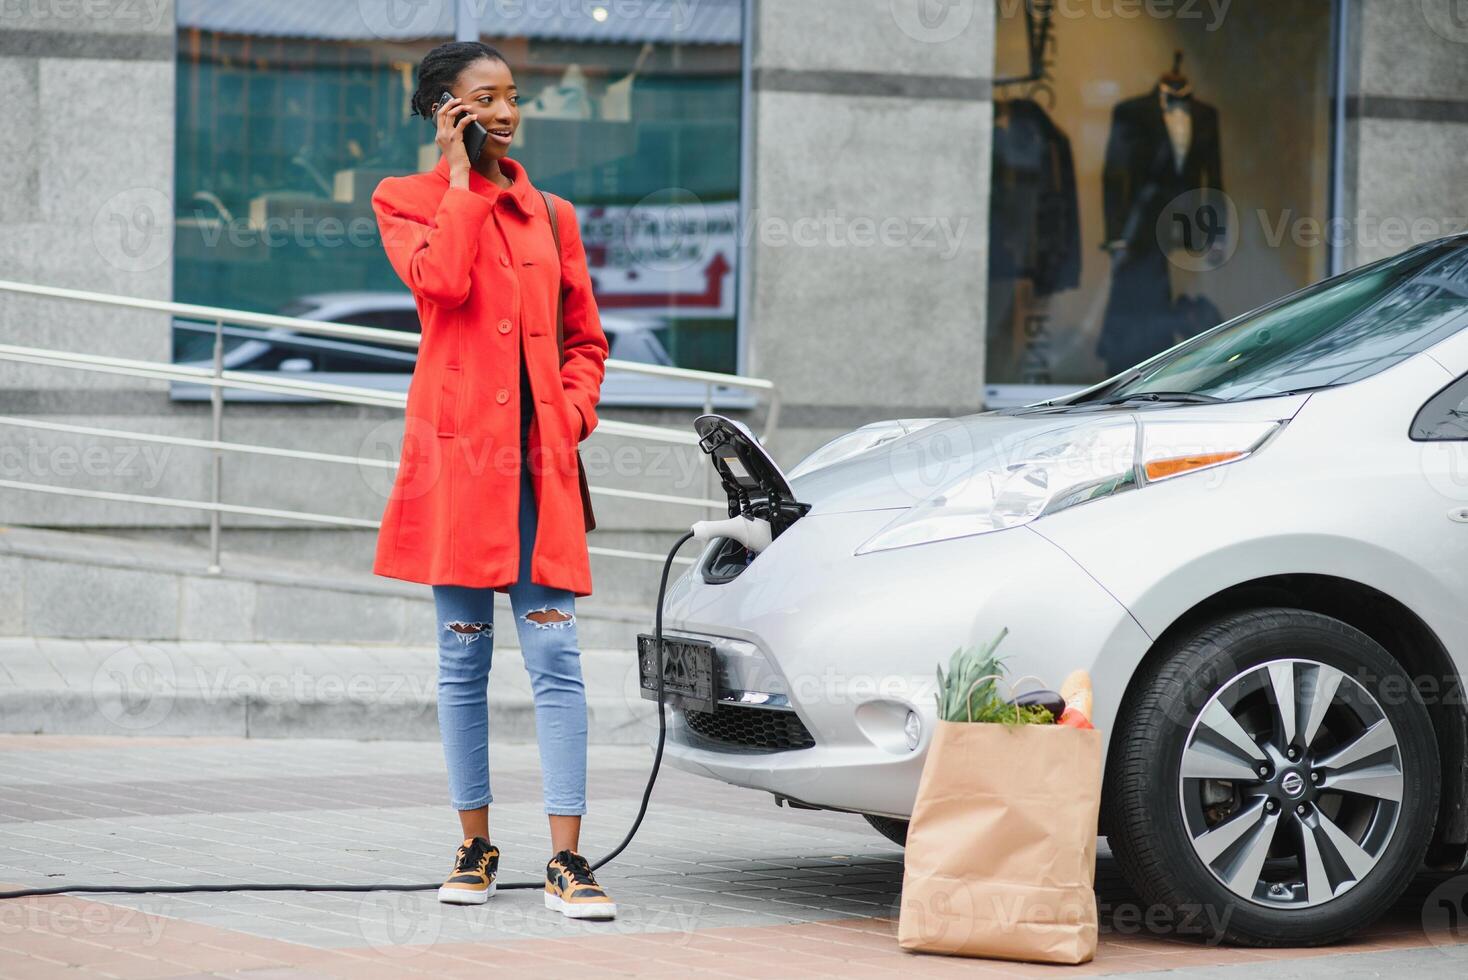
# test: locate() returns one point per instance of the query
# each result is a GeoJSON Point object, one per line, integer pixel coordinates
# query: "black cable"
{"type": "Point", "coordinates": [657, 761]}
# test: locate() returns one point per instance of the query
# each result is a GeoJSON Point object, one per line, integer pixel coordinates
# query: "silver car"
{"type": "Point", "coordinates": [1257, 544]}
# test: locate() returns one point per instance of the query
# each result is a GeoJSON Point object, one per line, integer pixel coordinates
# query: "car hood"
{"type": "Point", "coordinates": [898, 474]}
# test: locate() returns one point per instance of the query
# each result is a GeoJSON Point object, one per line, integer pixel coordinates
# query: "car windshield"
{"type": "Point", "coordinates": [1335, 332]}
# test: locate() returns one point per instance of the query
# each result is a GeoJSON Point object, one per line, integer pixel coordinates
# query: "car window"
{"type": "Point", "coordinates": [1445, 416]}
{"type": "Point", "coordinates": [1337, 331]}
{"type": "Point", "coordinates": [386, 319]}
{"type": "Point", "coordinates": [316, 354]}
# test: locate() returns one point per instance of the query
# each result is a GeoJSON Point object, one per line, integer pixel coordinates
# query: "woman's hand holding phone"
{"type": "Point", "coordinates": [450, 139]}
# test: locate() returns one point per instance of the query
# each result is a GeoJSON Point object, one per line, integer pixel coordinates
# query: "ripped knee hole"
{"type": "Point", "coordinates": [546, 618]}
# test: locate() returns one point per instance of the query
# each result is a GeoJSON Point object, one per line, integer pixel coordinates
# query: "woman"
{"type": "Point", "coordinates": [472, 510]}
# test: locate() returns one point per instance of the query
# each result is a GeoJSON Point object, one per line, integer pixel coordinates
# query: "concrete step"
{"type": "Point", "coordinates": [92, 586]}
{"type": "Point", "coordinates": [283, 690]}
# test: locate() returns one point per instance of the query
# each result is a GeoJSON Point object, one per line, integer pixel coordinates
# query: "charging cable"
{"type": "Point", "coordinates": [652, 776]}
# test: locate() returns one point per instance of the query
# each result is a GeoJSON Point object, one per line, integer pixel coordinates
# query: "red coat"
{"type": "Point", "coordinates": [482, 266]}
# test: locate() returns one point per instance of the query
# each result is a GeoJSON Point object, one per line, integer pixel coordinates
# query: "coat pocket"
{"type": "Point", "coordinates": [448, 401]}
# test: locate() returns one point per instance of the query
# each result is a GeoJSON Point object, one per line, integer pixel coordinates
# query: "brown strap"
{"type": "Point", "coordinates": [550, 207]}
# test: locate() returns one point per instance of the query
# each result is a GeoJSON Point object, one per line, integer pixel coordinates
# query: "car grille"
{"type": "Point", "coordinates": [770, 729]}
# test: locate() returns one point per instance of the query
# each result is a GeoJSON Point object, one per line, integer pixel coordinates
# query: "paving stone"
{"type": "Point", "coordinates": [717, 876]}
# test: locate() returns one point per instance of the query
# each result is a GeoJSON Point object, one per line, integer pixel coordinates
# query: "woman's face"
{"type": "Point", "coordinates": [488, 89]}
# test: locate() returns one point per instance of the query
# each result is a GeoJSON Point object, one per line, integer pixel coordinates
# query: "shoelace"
{"type": "Point", "coordinates": [472, 857]}
{"type": "Point", "coordinates": [578, 869]}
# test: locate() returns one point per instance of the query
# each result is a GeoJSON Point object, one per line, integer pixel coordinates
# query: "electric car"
{"type": "Point", "coordinates": [1256, 542]}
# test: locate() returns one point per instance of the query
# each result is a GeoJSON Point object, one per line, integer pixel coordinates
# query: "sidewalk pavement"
{"type": "Point", "coordinates": [718, 882]}
{"type": "Point", "coordinates": [283, 690]}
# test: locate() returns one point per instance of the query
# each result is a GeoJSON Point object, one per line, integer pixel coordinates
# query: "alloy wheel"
{"type": "Point", "coordinates": [1291, 783]}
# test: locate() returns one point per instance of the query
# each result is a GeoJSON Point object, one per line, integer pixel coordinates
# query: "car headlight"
{"type": "Point", "coordinates": [1061, 468]}
{"type": "Point", "coordinates": [869, 436]}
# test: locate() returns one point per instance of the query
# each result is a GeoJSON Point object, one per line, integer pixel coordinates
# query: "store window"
{"type": "Point", "coordinates": [1157, 168]}
{"type": "Point", "coordinates": [289, 114]}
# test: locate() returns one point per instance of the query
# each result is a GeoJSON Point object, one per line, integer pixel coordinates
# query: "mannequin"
{"type": "Point", "coordinates": [1162, 145]}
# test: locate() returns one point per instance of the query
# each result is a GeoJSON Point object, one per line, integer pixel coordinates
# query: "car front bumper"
{"type": "Point", "coordinates": [852, 644]}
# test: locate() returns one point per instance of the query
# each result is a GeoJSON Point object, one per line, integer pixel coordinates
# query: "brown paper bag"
{"type": "Point", "coordinates": [1001, 849]}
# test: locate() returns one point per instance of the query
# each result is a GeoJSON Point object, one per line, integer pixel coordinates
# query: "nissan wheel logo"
{"type": "Point", "coordinates": [1293, 783]}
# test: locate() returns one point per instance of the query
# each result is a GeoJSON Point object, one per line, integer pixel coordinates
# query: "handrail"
{"type": "Point", "coordinates": [379, 335]}
{"type": "Point", "coordinates": [218, 379]}
{"type": "Point", "coordinates": [247, 381]}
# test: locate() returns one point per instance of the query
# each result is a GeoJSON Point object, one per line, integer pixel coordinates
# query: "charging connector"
{"type": "Point", "coordinates": [752, 532]}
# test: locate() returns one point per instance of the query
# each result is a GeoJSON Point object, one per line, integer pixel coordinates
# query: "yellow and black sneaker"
{"type": "Point", "coordinates": [571, 888]}
{"type": "Point", "coordinates": [472, 880]}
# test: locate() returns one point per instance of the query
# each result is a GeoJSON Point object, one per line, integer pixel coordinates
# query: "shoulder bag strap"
{"type": "Point", "coordinates": [550, 207]}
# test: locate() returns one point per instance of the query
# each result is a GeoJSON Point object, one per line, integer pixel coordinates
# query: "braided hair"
{"type": "Point", "coordinates": [440, 69]}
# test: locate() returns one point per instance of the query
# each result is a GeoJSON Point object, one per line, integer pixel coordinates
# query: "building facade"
{"type": "Point", "coordinates": [891, 208]}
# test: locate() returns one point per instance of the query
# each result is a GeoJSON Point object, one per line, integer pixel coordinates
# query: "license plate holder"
{"type": "Point", "coordinates": [688, 672]}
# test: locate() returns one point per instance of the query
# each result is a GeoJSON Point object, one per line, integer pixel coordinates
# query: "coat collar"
{"type": "Point", "coordinates": [521, 191]}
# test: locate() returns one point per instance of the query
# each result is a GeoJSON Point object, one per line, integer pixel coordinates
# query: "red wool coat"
{"type": "Point", "coordinates": [482, 266]}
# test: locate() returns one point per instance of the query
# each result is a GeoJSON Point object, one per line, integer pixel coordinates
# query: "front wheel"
{"type": "Point", "coordinates": [1276, 770]}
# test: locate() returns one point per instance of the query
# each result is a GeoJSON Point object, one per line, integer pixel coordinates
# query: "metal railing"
{"type": "Point", "coordinates": [218, 379]}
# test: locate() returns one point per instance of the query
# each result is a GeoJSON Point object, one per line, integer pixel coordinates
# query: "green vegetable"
{"type": "Point", "coordinates": [968, 692]}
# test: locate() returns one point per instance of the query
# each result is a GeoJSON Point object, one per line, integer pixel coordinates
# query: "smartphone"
{"type": "Point", "coordinates": [474, 134]}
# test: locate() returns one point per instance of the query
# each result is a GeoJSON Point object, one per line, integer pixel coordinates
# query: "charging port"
{"type": "Point", "coordinates": [752, 481]}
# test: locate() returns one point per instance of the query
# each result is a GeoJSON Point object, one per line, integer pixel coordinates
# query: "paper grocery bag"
{"type": "Point", "coordinates": [1001, 848]}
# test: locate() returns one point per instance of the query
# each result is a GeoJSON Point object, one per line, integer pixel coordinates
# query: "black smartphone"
{"type": "Point", "coordinates": [474, 134]}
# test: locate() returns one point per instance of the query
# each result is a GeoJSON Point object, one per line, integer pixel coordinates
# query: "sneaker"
{"type": "Point", "coordinates": [472, 880]}
{"type": "Point", "coordinates": [571, 889]}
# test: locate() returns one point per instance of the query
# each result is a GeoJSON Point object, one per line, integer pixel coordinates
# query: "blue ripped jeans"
{"type": "Point", "coordinates": [545, 619]}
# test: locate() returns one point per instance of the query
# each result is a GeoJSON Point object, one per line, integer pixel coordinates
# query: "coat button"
{"type": "Point", "coordinates": [504, 260]}
{"type": "Point", "coordinates": [505, 326]}
{"type": "Point", "coordinates": [502, 396]}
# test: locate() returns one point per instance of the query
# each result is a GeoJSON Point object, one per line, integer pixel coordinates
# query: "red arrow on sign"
{"type": "Point", "coordinates": [711, 297]}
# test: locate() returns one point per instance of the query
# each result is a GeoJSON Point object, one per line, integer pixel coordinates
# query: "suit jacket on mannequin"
{"type": "Point", "coordinates": [1140, 179]}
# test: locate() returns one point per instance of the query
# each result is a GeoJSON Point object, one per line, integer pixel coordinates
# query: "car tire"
{"type": "Point", "coordinates": [889, 827]}
{"type": "Point", "coordinates": [1319, 848]}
